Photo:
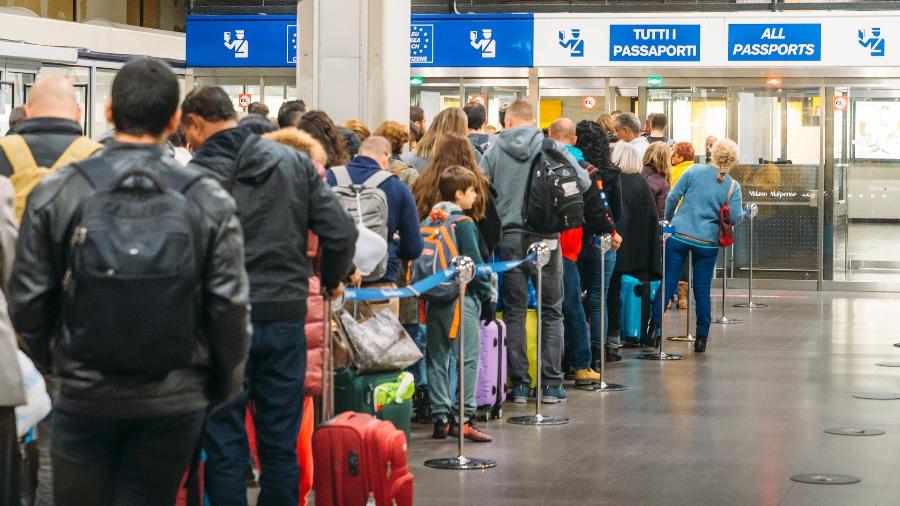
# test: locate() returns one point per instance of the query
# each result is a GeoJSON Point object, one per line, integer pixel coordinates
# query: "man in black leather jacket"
{"type": "Point", "coordinates": [123, 438]}
{"type": "Point", "coordinates": [280, 198]}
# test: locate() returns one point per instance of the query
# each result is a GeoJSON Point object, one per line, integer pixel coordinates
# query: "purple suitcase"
{"type": "Point", "coordinates": [490, 390]}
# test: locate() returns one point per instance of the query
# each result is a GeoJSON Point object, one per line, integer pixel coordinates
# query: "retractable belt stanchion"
{"type": "Point", "coordinates": [659, 355]}
{"type": "Point", "coordinates": [541, 254]}
{"type": "Point", "coordinates": [327, 362]}
{"type": "Point", "coordinates": [465, 272]}
{"type": "Point", "coordinates": [724, 320]}
{"type": "Point", "coordinates": [605, 245]}
{"type": "Point", "coordinates": [690, 295]}
{"type": "Point", "coordinates": [751, 210]}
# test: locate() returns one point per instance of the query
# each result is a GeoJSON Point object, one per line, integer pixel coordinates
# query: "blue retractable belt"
{"type": "Point", "coordinates": [429, 283]}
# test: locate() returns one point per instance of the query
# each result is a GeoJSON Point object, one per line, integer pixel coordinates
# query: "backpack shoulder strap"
{"type": "Point", "coordinates": [341, 176]}
{"type": "Point", "coordinates": [376, 179]}
{"type": "Point", "coordinates": [96, 171]}
{"type": "Point", "coordinates": [81, 148]}
{"type": "Point", "coordinates": [18, 153]}
{"type": "Point", "coordinates": [730, 191]}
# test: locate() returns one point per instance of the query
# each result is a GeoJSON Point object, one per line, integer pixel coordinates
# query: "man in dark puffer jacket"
{"type": "Point", "coordinates": [279, 197]}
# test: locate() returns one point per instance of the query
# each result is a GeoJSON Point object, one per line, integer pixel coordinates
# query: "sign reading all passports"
{"type": "Point", "coordinates": [654, 42]}
{"type": "Point", "coordinates": [775, 42]}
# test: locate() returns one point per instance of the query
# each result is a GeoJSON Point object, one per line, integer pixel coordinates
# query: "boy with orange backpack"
{"type": "Point", "coordinates": [448, 233]}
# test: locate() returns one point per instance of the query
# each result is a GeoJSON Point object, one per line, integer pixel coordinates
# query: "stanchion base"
{"type": "Point", "coordinates": [660, 356]}
{"type": "Point", "coordinates": [727, 321]}
{"type": "Point", "coordinates": [826, 479]}
{"type": "Point", "coordinates": [538, 420]}
{"type": "Point", "coordinates": [751, 305]}
{"type": "Point", "coordinates": [682, 339]}
{"type": "Point", "coordinates": [888, 364]}
{"type": "Point", "coordinates": [853, 431]}
{"type": "Point", "coordinates": [461, 463]}
{"type": "Point", "coordinates": [896, 345]}
{"type": "Point", "coordinates": [877, 396]}
{"type": "Point", "coordinates": [611, 387]}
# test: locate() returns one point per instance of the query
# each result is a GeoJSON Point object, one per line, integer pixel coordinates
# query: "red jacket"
{"type": "Point", "coordinates": [570, 242]}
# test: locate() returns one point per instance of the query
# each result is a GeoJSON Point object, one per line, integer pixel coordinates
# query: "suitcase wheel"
{"type": "Point", "coordinates": [497, 412]}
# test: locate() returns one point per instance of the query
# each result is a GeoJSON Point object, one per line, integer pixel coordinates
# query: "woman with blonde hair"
{"type": "Point", "coordinates": [449, 121]}
{"type": "Point", "coordinates": [639, 255]}
{"type": "Point", "coordinates": [454, 149]}
{"type": "Point", "coordinates": [658, 173]}
{"type": "Point", "coordinates": [702, 190]}
{"type": "Point", "coordinates": [608, 124]}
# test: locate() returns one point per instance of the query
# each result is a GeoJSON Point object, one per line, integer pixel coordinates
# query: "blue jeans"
{"type": "Point", "coordinates": [577, 335]}
{"type": "Point", "coordinates": [274, 382]}
{"type": "Point", "coordinates": [704, 264]}
{"type": "Point", "coordinates": [590, 262]}
{"type": "Point", "coordinates": [419, 370]}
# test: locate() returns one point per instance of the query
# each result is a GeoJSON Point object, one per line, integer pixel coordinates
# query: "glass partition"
{"type": "Point", "coordinates": [866, 201]}
{"type": "Point", "coordinates": [778, 133]}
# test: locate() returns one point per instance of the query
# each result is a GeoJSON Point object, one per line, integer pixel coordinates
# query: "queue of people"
{"type": "Point", "coordinates": [170, 280]}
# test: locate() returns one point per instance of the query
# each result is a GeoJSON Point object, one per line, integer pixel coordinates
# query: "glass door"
{"type": "Point", "coordinates": [865, 211]}
{"type": "Point", "coordinates": [779, 137]}
{"type": "Point", "coordinates": [7, 103]}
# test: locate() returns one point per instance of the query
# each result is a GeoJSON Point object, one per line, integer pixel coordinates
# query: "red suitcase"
{"type": "Point", "coordinates": [358, 458]}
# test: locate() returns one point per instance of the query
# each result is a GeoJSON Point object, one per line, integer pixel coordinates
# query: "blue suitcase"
{"type": "Point", "coordinates": [635, 306]}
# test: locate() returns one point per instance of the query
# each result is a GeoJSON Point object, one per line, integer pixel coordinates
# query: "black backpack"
{"type": "Point", "coordinates": [598, 217]}
{"type": "Point", "coordinates": [553, 201]}
{"type": "Point", "coordinates": [133, 280]}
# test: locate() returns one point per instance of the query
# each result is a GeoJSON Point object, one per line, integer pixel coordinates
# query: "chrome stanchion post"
{"type": "Point", "coordinates": [605, 246]}
{"type": "Point", "coordinates": [667, 230]}
{"type": "Point", "coordinates": [751, 210]}
{"type": "Point", "coordinates": [327, 362]}
{"type": "Point", "coordinates": [724, 320]}
{"type": "Point", "coordinates": [465, 272]}
{"type": "Point", "coordinates": [690, 294]}
{"type": "Point", "coordinates": [541, 253]}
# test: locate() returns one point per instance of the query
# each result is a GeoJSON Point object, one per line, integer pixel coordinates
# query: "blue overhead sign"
{"type": "Point", "coordinates": [775, 42]}
{"type": "Point", "coordinates": [242, 41]}
{"type": "Point", "coordinates": [656, 43]}
{"type": "Point", "coordinates": [476, 40]}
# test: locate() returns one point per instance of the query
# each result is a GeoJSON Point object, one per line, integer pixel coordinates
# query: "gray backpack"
{"type": "Point", "coordinates": [368, 205]}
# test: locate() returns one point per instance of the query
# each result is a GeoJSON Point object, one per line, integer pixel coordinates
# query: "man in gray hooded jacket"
{"type": "Point", "coordinates": [507, 164]}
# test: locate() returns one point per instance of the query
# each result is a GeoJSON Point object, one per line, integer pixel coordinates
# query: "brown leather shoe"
{"type": "Point", "coordinates": [471, 433]}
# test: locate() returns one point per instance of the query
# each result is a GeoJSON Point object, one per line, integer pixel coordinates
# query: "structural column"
{"type": "Point", "coordinates": [353, 58]}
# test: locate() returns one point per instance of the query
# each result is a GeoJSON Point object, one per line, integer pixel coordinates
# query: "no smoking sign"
{"type": "Point", "coordinates": [244, 100]}
{"type": "Point", "coordinates": [590, 103]}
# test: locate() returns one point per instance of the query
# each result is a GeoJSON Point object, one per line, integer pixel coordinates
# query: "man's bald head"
{"type": "Point", "coordinates": [563, 131]}
{"type": "Point", "coordinates": [377, 148]}
{"type": "Point", "coordinates": [53, 97]}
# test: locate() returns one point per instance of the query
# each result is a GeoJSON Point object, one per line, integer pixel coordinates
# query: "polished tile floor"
{"type": "Point", "coordinates": [724, 428]}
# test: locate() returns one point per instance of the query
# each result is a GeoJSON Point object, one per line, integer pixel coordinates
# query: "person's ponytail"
{"type": "Point", "coordinates": [724, 154]}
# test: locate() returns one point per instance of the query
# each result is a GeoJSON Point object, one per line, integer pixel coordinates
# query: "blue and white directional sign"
{"type": "Point", "coordinates": [775, 42]}
{"type": "Point", "coordinates": [242, 41]}
{"type": "Point", "coordinates": [451, 40]}
{"type": "Point", "coordinates": [657, 43]}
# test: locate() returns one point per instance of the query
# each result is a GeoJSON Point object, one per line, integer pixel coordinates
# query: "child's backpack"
{"type": "Point", "coordinates": [439, 234]}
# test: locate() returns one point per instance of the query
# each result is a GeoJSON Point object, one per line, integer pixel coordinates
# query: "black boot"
{"type": "Point", "coordinates": [651, 340]}
{"type": "Point", "coordinates": [700, 344]}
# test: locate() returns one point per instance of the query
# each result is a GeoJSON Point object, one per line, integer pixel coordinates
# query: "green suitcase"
{"type": "Point", "coordinates": [356, 392]}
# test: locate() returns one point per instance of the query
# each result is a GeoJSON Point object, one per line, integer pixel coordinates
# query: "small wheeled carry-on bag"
{"type": "Point", "coordinates": [635, 306]}
{"type": "Point", "coordinates": [361, 460]}
{"type": "Point", "coordinates": [490, 389]}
